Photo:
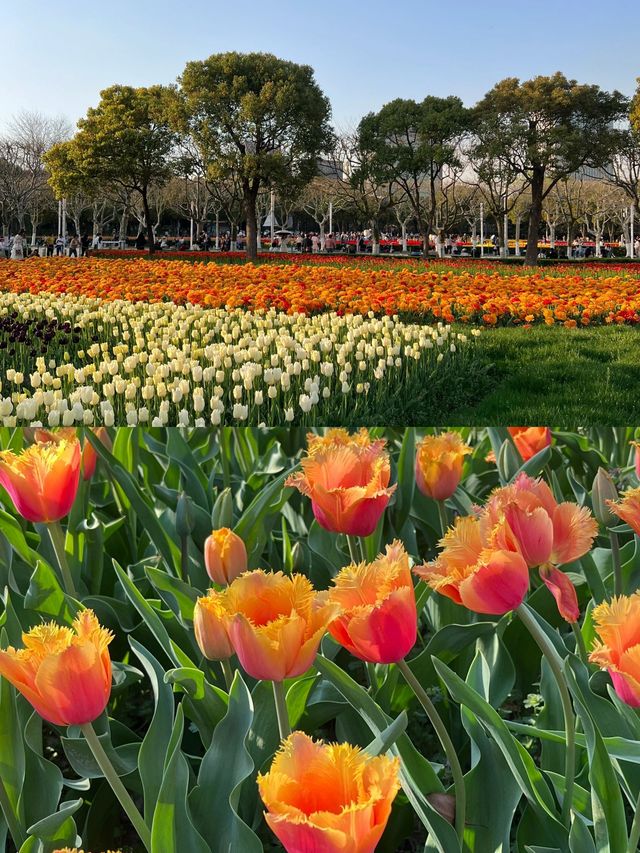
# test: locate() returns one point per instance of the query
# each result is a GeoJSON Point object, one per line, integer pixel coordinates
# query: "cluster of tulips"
{"type": "Point", "coordinates": [456, 292]}
{"type": "Point", "coordinates": [162, 364]}
{"type": "Point", "coordinates": [335, 796]}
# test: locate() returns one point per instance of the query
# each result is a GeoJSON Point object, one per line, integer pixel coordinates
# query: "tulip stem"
{"type": "Point", "coordinates": [56, 535]}
{"type": "Point", "coordinates": [445, 741]}
{"type": "Point", "coordinates": [19, 837]}
{"type": "Point", "coordinates": [617, 566]}
{"type": "Point", "coordinates": [109, 773]}
{"type": "Point", "coordinates": [634, 837]}
{"type": "Point", "coordinates": [555, 664]}
{"type": "Point", "coordinates": [443, 516]}
{"type": "Point", "coordinates": [284, 727]}
{"type": "Point", "coordinates": [581, 649]}
{"type": "Point", "coordinates": [227, 672]}
{"type": "Point", "coordinates": [353, 550]}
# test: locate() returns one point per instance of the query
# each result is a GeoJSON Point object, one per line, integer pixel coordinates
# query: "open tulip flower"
{"type": "Point", "coordinates": [328, 798]}
{"type": "Point", "coordinates": [273, 622]}
{"type": "Point", "coordinates": [42, 480]}
{"type": "Point", "coordinates": [617, 623]}
{"type": "Point", "coordinates": [545, 532]}
{"type": "Point", "coordinates": [89, 455]}
{"type": "Point", "coordinates": [628, 508]}
{"type": "Point", "coordinates": [472, 573]}
{"type": "Point", "coordinates": [65, 673]}
{"type": "Point", "coordinates": [225, 556]}
{"type": "Point", "coordinates": [530, 440]}
{"type": "Point", "coordinates": [347, 478]}
{"type": "Point", "coordinates": [377, 620]}
{"type": "Point", "coordinates": [439, 460]}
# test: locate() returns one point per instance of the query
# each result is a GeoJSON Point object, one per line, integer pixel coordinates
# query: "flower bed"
{"type": "Point", "coordinates": [389, 641]}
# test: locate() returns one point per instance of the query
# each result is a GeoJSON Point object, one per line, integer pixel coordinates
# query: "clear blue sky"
{"type": "Point", "coordinates": [55, 58]}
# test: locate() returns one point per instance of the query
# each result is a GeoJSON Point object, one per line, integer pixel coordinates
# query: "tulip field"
{"type": "Point", "coordinates": [266, 639]}
{"type": "Point", "coordinates": [312, 340]}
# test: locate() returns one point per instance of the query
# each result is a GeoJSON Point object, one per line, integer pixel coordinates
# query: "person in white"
{"type": "Point", "coordinates": [17, 247]}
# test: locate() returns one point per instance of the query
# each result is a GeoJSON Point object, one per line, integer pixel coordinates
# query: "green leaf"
{"type": "Point", "coordinates": [204, 703]}
{"type": "Point", "coordinates": [224, 768]}
{"type": "Point", "coordinates": [56, 830]}
{"type": "Point", "coordinates": [12, 756]}
{"type": "Point", "coordinates": [534, 466]}
{"type": "Point", "coordinates": [521, 764]}
{"type": "Point", "coordinates": [406, 479]}
{"type": "Point", "coordinates": [158, 734]}
{"type": "Point", "coordinates": [150, 617]}
{"type": "Point", "coordinates": [176, 594]}
{"type": "Point", "coordinates": [257, 518]}
{"type": "Point", "coordinates": [12, 531]}
{"type": "Point", "coordinates": [607, 805]}
{"type": "Point", "coordinates": [45, 595]}
{"type": "Point", "coordinates": [173, 830]}
{"type": "Point", "coordinates": [387, 737]}
{"type": "Point", "coordinates": [146, 514]}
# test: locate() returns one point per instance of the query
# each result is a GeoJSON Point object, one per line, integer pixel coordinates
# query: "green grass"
{"type": "Point", "coordinates": [556, 375]}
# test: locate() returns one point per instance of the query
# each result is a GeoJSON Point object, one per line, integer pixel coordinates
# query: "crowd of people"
{"type": "Point", "coordinates": [18, 247]}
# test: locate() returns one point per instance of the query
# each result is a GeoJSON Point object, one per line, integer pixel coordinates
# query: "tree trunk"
{"type": "Point", "coordinates": [124, 226]}
{"type": "Point", "coordinates": [375, 239]}
{"type": "Point", "coordinates": [535, 215]}
{"type": "Point", "coordinates": [148, 223]}
{"type": "Point", "coordinates": [252, 225]}
{"type": "Point", "coordinates": [518, 221]}
{"type": "Point", "coordinates": [404, 238]}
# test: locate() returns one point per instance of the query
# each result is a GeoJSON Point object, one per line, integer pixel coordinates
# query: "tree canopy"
{"type": "Point", "coordinates": [260, 118]}
{"type": "Point", "coordinates": [127, 140]}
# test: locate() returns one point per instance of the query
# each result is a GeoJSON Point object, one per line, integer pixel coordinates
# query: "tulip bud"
{"type": "Point", "coordinates": [604, 490]}
{"type": "Point", "coordinates": [222, 513]}
{"type": "Point", "coordinates": [185, 521]}
{"type": "Point", "coordinates": [297, 558]}
{"type": "Point", "coordinates": [225, 556]}
{"type": "Point", "coordinates": [509, 461]}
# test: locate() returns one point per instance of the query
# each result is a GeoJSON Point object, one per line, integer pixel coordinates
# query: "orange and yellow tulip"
{"type": "Point", "coordinates": [439, 460]}
{"type": "Point", "coordinates": [328, 798]}
{"type": "Point", "coordinates": [545, 532]}
{"type": "Point", "coordinates": [628, 508]}
{"type": "Point", "coordinates": [225, 556]}
{"type": "Point", "coordinates": [42, 480]}
{"type": "Point", "coordinates": [472, 573]}
{"type": "Point", "coordinates": [209, 625]}
{"type": "Point", "coordinates": [274, 622]}
{"type": "Point", "coordinates": [530, 440]}
{"type": "Point", "coordinates": [347, 479]}
{"type": "Point", "coordinates": [65, 673]}
{"type": "Point", "coordinates": [89, 455]}
{"type": "Point", "coordinates": [377, 619]}
{"type": "Point", "coordinates": [618, 650]}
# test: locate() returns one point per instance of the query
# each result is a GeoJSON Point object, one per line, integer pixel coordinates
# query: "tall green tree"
{"type": "Point", "coordinates": [126, 141]}
{"type": "Point", "coordinates": [546, 129]}
{"type": "Point", "coordinates": [417, 143]}
{"type": "Point", "coordinates": [258, 118]}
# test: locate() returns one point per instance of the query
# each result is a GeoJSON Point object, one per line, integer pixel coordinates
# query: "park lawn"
{"type": "Point", "coordinates": [545, 375]}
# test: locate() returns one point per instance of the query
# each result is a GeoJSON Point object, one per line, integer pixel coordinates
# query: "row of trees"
{"type": "Point", "coordinates": [237, 126]}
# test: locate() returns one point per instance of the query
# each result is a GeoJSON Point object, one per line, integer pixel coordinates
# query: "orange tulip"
{"type": "Point", "coordinates": [377, 620]}
{"type": "Point", "coordinates": [225, 556]}
{"type": "Point", "coordinates": [274, 623]}
{"type": "Point", "coordinates": [479, 577]}
{"type": "Point", "coordinates": [65, 673]}
{"type": "Point", "coordinates": [89, 455]}
{"type": "Point", "coordinates": [328, 798]}
{"type": "Point", "coordinates": [439, 460]}
{"type": "Point", "coordinates": [618, 650]}
{"type": "Point", "coordinates": [628, 508]}
{"type": "Point", "coordinates": [347, 478]}
{"type": "Point", "coordinates": [42, 480]}
{"type": "Point", "coordinates": [530, 440]}
{"type": "Point", "coordinates": [210, 627]}
{"type": "Point", "coordinates": [546, 533]}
